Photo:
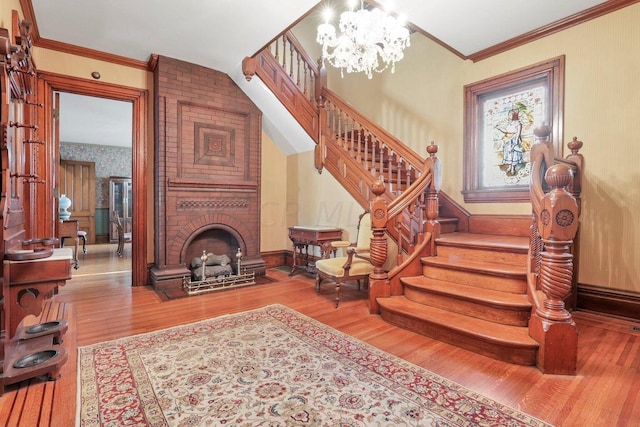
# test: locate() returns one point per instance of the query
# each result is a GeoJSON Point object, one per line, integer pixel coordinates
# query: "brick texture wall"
{"type": "Point", "coordinates": [207, 166]}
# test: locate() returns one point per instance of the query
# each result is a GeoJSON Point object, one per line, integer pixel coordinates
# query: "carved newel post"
{"type": "Point", "coordinates": [433, 164]}
{"type": "Point", "coordinates": [552, 325]}
{"type": "Point", "coordinates": [379, 279]}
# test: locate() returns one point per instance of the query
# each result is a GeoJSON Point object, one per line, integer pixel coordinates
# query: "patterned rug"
{"type": "Point", "coordinates": [269, 367]}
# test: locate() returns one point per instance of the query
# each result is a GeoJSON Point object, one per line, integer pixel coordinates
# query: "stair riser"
{"type": "Point", "coordinates": [517, 355]}
{"type": "Point", "coordinates": [479, 280]}
{"type": "Point", "coordinates": [482, 255]}
{"type": "Point", "coordinates": [506, 316]}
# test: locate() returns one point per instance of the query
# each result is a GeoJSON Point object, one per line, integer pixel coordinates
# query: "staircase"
{"type": "Point", "coordinates": [497, 295]}
{"type": "Point", "coordinates": [473, 294]}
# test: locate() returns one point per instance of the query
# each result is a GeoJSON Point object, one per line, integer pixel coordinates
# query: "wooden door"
{"type": "Point", "coordinates": [78, 182]}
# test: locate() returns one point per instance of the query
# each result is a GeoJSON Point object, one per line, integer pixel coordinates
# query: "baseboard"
{"type": "Point", "coordinates": [274, 258]}
{"type": "Point", "coordinates": [610, 302]}
{"type": "Point", "coordinates": [282, 257]}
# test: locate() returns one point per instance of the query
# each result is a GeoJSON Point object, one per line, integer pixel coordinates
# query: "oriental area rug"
{"type": "Point", "coordinates": [268, 367]}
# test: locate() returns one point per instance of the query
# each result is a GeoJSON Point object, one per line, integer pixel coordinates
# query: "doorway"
{"type": "Point", "coordinates": [95, 151]}
{"type": "Point", "coordinates": [48, 85]}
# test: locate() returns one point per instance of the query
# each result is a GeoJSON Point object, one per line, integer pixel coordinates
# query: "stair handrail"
{"type": "Point", "coordinates": [346, 133]}
{"type": "Point", "coordinates": [550, 279]}
{"type": "Point", "coordinates": [382, 134]}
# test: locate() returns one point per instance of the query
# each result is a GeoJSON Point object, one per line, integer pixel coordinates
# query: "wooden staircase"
{"type": "Point", "coordinates": [502, 296]}
{"type": "Point", "coordinates": [473, 294]}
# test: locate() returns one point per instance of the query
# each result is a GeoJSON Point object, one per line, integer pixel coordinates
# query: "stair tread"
{"type": "Point", "coordinates": [490, 241]}
{"type": "Point", "coordinates": [483, 267]}
{"type": "Point", "coordinates": [498, 333]}
{"type": "Point", "coordinates": [471, 293]}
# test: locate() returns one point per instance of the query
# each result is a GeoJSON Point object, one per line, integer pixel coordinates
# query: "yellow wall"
{"type": "Point", "coordinates": [273, 220]}
{"type": "Point", "coordinates": [423, 101]}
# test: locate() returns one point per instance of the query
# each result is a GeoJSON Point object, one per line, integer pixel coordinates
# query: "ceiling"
{"type": "Point", "coordinates": [219, 33]}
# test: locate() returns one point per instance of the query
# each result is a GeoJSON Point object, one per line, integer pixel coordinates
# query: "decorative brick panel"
{"type": "Point", "coordinates": [207, 169]}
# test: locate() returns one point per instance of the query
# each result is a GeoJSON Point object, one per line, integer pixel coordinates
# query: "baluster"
{"type": "Point", "coordinates": [350, 126]}
{"type": "Point", "coordinates": [305, 89]}
{"type": "Point", "coordinates": [358, 143]}
{"type": "Point", "coordinates": [277, 52]}
{"type": "Point", "coordinates": [390, 164]}
{"type": "Point", "coordinates": [366, 139]}
{"type": "Point", "coordinates": [291, 50]}
{"type": "Point", "coordinates": [399, 187]}
{"type": "Point", "coordinates": [344, 128]}
{"type": "Point", "coordinates": [284, 53]}
{"type": "Point", "coordinates": [381, 159]}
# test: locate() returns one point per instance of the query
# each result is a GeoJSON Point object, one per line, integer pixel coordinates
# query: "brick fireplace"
{"type": "Point", "coordinates": [207, 171]}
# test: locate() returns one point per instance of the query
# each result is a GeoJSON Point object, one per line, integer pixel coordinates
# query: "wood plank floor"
{"type": "Point", "coordinates": [605, 392]}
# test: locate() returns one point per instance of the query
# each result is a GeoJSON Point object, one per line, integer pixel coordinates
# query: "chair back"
{"type": "Point", "coordinates": [364, 231]}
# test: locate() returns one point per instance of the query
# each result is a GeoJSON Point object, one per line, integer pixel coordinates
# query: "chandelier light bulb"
{"type": "Point", "coordinates": [366, 41]}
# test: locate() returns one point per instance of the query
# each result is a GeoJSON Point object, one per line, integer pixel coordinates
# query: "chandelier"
{"type": "Point", "coordinates": [369, 41]}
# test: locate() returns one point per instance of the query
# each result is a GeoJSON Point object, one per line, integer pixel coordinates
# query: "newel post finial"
{"type": "Point", "coordinates": [249, 66]}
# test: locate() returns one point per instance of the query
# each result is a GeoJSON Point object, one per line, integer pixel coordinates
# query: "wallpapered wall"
{"type": "Point", "coordinates": [110, 161]}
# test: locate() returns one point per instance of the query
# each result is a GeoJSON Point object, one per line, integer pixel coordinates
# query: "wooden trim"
{"type": "Point", "coordinates": [51, 82]}
{"type": "Point", "coordinates": [92, 54]}
{"type": "Point", "coordinates": [276, 258]}
{"type": "Point", "coordinates": [38, 41]}
{"type": "Point", "coordinates": [550, 73]}
{"type": "Point", "coordinates": [611, 302]}
{"type": "Point", "coordinates": [557, 26]}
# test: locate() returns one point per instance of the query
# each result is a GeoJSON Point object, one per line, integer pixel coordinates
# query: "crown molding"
{"type": "Point", "coordinates": [38, 41]}
{"type": "Point", "coordinates": [557, 26]}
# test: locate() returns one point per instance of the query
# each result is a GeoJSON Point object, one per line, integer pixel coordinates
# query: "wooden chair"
{"type": "Point", "coordinates": [355, 266]}
{"type": "Point", "coordinates": [122, 236]}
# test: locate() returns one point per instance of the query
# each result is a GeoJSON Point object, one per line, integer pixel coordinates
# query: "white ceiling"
{"type": "Point", "coordinates": [219, 33]}
{"type": "Point", "coordinates": [91, 120]}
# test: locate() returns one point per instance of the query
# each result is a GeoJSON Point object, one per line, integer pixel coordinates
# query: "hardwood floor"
{"type": "Point", "coordinates": [605, 392]}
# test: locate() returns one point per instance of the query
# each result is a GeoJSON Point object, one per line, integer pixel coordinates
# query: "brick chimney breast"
{"type": "Point", "coordinates": [207, 170]}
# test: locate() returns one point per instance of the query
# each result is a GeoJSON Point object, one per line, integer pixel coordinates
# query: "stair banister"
{"type": "Point", "coordinates": [363, 156]}
{"type": "Point", "coordinates": [411, 219]}
{"type": "Point", "coordinates": [293, 77]}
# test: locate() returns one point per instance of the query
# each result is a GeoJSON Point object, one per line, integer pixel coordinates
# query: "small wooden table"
{"type": "Point", "coordinates": [68, 229]}
{"type": "Point", "coordinates": [304, 236]}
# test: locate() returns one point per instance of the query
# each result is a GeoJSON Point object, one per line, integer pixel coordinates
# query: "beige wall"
{"type": "Point", "coordinates": [423, 101]}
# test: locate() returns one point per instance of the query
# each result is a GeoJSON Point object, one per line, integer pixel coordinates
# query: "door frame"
{"type": "Point", "coordinates": [48, 83]}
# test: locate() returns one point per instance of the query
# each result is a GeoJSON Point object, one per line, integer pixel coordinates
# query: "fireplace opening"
{"type": "Point", "coordinates": [214, 258]}
{"type": "Point", "coordinates": [218, 241]}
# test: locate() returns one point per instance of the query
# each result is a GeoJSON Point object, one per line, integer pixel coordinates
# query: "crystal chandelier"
{"type": "Point", "coordinates": [369, 40]}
